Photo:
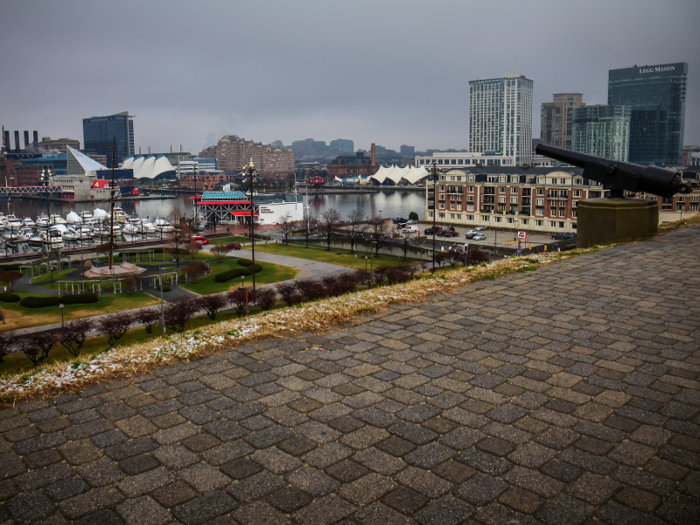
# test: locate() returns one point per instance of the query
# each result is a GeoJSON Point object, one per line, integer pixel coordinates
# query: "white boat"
{"type": "Point", "coordinates": [130, 229]}
{"type": "Point", "coordinates": [86, 215]}
{"type": "Point", "coordinates": [29, 222]}
{"type": "Point", "coordinates": [120, 215]}
{"type": "Point", "coordinates": [37, 238]}
{"type": "Point", "coordinates": [55, 218]}
{"type": "Point", "coordinates": [13, 223]}
{"type": "Point", "coordinates": [42, 221]}
{"type": "Point", "coordinates": [54, 241]}
{"type": "Point", "coordinates": [70, 235]}
{"type": "Point", "coordinates": [73, 218]}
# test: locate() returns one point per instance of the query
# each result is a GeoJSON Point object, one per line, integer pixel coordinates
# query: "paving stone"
{"type": "Point", "coordinates": [430, 455]}
{"type": "Point", "coordinates": [146, 482]}
{"type": "Point", "coordinates": [42, 458]}
{"type": "Point", "coordinates": [328, 454]}
{"type": "Point", "coordinates": [256, 486]}
{"type": "Point", "coordinates": [521, 500]}
{"type": "Point", "coordinates": [312, 481]}
{"type": "Point", "coordinates": [289, 499]}
{"type": "Point", "coordinates": [346, 471]}
{"type": "Point", "coordinates": [101, 472]}
{"type": "Point", "coordinates": [203, 477]}
{"type": "Point", "coordinates": [31, 507]}
{"type": "Point", "coordinates": [405, 500]}
{"type": "Point", "coordinates": [379, 514]}
{"type": "Point", "coordinates": [204, 508]}
{"type": "Point", "coordinates": [534, 481]}
{"type": "Point", "coordinates": [447, 510]}
{"type": "Point", "coordinates": [484, 462]}
{"type": "Point", "coordinates": [454, 471]}
{"type": "Point", "coordinates": [562, 471]}
{"type": "Point", "coordinates": [565, 510]}
{"type": "Point", "coordinates": [174, 494]}
{"type": "Point", "coordinates": [324, 511]}
{"type": "Point", "coordinates": [379, 461]}
{"type": "Point", "coordinates": [259, 512]}
{"type": "Point", "coordinates": [143, 511]}
{"type": "Point", "coordinates": [481, 489]}
{"type": "Point", "coordinates": [679, 509]}
{"type": "Point", "coordinates": [89, 502]}
{"type": "Point", "coordinates": [424, 482]}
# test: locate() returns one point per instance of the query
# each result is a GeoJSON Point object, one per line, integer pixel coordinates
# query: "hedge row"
{"type": "Point", "coordinates": [55, 300]}
{"type": "Point", "coordinates": [10, 267]}
{"type": "Point", "coordinates": [9, 297]}
{"type": "Point", "coordinates": [232, 274]}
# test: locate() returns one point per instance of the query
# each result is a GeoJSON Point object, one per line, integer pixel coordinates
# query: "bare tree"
{"type": "Point", "coordinates": [37, 345]}
{"type": "Point", "coordinates": [9, 278]}
{"type": "Point", "coordinates": [220, 252]}
{"type": "Point", "coordinates": [195, 270]}
{"type": "Point", "coordinates": [329, 225]}
{"type": "Point", "coordinates": [115, 325]}
{"type": "Point", "coordinates": [194, 250]}
{"type": "Point", "coordinates": [287, 226]}
{"type": "Point", "coordinates": [403, 242]}
{"type": "Point", "coordinates": [265, 298]}
{"type": "Point", "coordinates": [178, 242]}
{"type": "Point", "coordinates": [310, 223]}
{"type": "Point", "coordinates": [131, 283]}
{"type": "Point", "coordinates": [240, 299]}
{"type": "Point", "coordinates": [356, 227]}
{"type": "Point", "coordinates": [73, 335]}
{"type": "Point", "coordinates": [377, 230]}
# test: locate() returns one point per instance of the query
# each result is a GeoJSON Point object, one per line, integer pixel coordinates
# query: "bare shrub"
{"type": "Point", "coordinates": [9, 278]}
{"type": "Point", "coordinates": [72, 335]}
{"type": "Point", "coordinates": [115, 325]}
{"type": "Point", "coordinates": [399, 274]}
{"type": "Point", "coordinates": [7, 343]}
{"type": "Point", "coordinates": [37, 345]}
{"type": "Point", "coordinates": [240, 299]}
{"type": "Point", "coordinates": [148, 317]}
{"type": "Point", "coordinates": [311, 289]}
{"type": "Point", "coordinates": [212, 304]}
{"type": "Point", "coordinates": [179, 312]}
{"type": "Point", "coordinates": [477, 257]}
{"type": "Point", "coordinates": [266, 298]}
{"type": "Point", "coordinates": [289, 293]}
{"type": "Point", "coordinates": [220, 252]}
{"type": "Point", "coordinates": [131, 283]}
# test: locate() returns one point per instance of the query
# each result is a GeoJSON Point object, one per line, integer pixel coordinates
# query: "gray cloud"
{"type": "Point", "coordinates": [390, 72]}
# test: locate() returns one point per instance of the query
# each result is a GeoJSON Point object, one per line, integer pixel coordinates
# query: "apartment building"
{"type": "Point", "coordinates": [533, 199]}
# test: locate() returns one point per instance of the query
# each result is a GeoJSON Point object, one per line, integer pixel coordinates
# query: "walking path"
{"type": "Point", "coordinates": [568, 395]}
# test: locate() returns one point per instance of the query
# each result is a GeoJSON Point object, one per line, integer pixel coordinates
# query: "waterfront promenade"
{"type": "Point", "coordinates": [564, 396]}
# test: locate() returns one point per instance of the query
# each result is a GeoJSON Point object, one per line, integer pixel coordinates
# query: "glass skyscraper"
{"type": "Point", "coordinates": [99, 132]}
{"type": "Point", "coordinates": [603, 131]}
{"type": "Point", "coordinates": [656, 97]}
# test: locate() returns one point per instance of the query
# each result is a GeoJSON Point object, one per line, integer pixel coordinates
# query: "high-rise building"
{"type": "Point", "coordinates": [345, 145]}
{"type": "Point", "coordinates": [500, 117]}
{"type": "Point", "coordinates": [557, 118]}
{"type": "Point", "coordinates": [656, 96]}
{"type": "Point", "coordinates": [99, 133]}
{"type": "Point", "coordinates": [233, 153]}
{"type": "Point", "coordinates": [408, 151]}
{"type": "Point", "coordinates": [603, 131]}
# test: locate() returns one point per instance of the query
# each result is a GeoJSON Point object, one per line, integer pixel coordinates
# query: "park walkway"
{"type": "Point", "coordinates": [568, 395]}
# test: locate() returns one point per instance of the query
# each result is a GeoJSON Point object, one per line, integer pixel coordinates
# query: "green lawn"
{"type": "Point", "coordinates": [271, 273]}
{"type": "Point", "coordinates": [320, 254]}
{"type": "Point", "coordinates": [57, 274]}
{"type": "Point", "coordinates": [228, 240]}
{"type": "Point", "coordinates": [17, 316]}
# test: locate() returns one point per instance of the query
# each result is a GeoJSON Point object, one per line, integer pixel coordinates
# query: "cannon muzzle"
{"type": "Point", "coordinates": [620, 176]}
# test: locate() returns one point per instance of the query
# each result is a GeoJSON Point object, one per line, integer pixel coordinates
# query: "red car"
{"type": "Point", "coordinates": [234, 246]}
{"type": "Point", "coordinates": [200, 239]}
{"type": "Point", "coordinates": [448, 233]}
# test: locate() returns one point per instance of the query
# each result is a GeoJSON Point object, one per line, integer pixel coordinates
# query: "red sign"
{"type": "Point", "coordinates": [522, 236]}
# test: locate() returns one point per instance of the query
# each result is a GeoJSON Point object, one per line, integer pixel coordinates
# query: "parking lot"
{"type": "Point", "coordinates": [502, 238]}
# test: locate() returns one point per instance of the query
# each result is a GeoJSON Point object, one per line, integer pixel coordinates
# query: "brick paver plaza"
{"type": "Point", "coordinates": [562, 396]}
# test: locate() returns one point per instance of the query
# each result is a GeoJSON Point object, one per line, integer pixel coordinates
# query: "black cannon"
{"type": "Point", "coordinates": [621, 176]}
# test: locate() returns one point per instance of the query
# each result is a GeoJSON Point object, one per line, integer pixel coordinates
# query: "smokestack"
{"type": "Point", "coordinates": [26, 140]}
{"type": "Point", "coordinates": [373, 156]}
{"type": "Point", "coordinates": [180, 148]}
{"type": "Point", "coordinates": [36, 139]}
{"type": "Point", "coordinates": [171, 148]}
{"type": "Point", "coordinates": [5, 140]}
{"type": "Point", "coordinates": [16, 140]}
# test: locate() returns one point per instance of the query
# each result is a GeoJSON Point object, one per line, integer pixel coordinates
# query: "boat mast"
{"type": "Point", "coordinates": [111, 204]}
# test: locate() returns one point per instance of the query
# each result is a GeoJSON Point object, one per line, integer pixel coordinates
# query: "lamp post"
{"type": "Point", "coordinates": [246, 293]}
{"type": "Point", "coordinates": [61, 307]}
{"type": "Point", "coordinates": [162, 308]}
{"type": "Point", "coordinates": [250, 176]}
{"type": "Point", "coordinates": [434, 173]}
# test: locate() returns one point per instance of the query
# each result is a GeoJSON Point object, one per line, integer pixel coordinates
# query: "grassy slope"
{"type": "Point", "coordinates": [271, 273]}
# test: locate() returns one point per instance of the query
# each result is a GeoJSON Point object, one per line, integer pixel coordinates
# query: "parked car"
{"type": "Point", "coordinates": [479, 237]}
{"type": "Point", "coordinates": [471, 233]}
{"type": "Point", "coordinates": [200, 239]}
{"type": "Point", "coordinates": [481, 228]}
{"type": "Point", "coordinates": [563, 235]}
{"type": "Point", "coordinates": [448, 233]}
{"type": "Point", "coordinates": [429, 231]}
{"type": "Point", "coordinates": [399, 220]}
{"type": "Point", "coordinates": [234, 246]}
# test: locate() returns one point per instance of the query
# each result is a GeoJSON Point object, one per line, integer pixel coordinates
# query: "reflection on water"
{"type": "Point", "coordinates": [388, 203]}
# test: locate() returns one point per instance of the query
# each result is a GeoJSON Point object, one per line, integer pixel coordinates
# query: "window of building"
{"type": "Point", "coordinates": [454, 161]}
{"type": "Point", "coordinates": [503, 189]}
{"type": "Point", "coordinates": [577, 193]}
{"type": "Point", "coordinates": [470, 198]}
{"type": "Point", "coordinates": [459, 205]}
{"type": "Point", "coordinates": [485, 218]}
{"type": "Point", "coordinates": [501, 199]}
{"type": "Point", "coordinates": [430, 214]}
{"type": "Point", "coordinates": [470, 189]}
{"type": "Point", "coordinates": [503, 179]}
{"type": "Point", "coordinates": [439, 161]}
{"type": "Point", "coordinates": [509, 220]}
{"type": "Point", "coordinates": [441, 215]}
{"type": "Point", "coordinates": [562, 181]}
{"type": "Point", "coordinates": [452, 215]}
{"type": "Point", "coordinates": [442, 188]}
{"type": "Point", "coordinates": [553, 224]}
{"type": "Point", "coordinates": [574, 214]}
{"type": "Point", "coordinates": [514, 200]}
{"type": "Point", "coordinates": [471, 179]}
{"type": "Point", "coordinates": [442, 205]}
{"type": "Point", "coordinates": [498, 219]}
{"type": "Point", "coordinates": [562, 213]}
{"type": "Point", "coordinates": [540, 191]}
{"type": "Point", "coordinates": [470, 217]}
{"type": "Point", "coordinates": [540, 180]}
{"type": "Point", "coordinates": [460, 161]}
{"type": "Point", "coordinates": [514, 190]}
{"type": "Point", "coordinates": [539, 223]}
{"type": "Point", "coordinates": [539, 211]}
{"type": "Point", "coordinates": [540, 202]}
{"type": "Point", "coordinates": [562, 224]}
{"type": "Point", "coordinates": [526, 222]}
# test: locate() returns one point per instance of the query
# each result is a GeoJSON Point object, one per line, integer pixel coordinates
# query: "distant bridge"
{"type": "Point", "coordinates": [19, 190]}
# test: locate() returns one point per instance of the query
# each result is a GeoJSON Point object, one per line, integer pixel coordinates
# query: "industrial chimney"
{"type": "Point", "coordinates": [373, 156]}
{"type": "Point", "coordinates": [16, 140]}
{"type": "Point", "coordinates": [26, 140]}
{"type": "Point", "coordinates": [36, 139]}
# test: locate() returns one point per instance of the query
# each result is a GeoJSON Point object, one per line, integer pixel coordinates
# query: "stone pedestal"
{"type": "Point", "coordinates": [608, 221]}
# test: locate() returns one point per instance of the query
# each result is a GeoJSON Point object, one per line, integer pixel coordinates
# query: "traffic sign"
{"type": "Point", "coordinates": [522, 236]}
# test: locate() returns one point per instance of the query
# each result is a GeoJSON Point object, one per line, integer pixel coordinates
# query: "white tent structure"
{"type": "Point", "coordinates": [395, 175]}
{"type": "Point", "coordinates": [148, 166]}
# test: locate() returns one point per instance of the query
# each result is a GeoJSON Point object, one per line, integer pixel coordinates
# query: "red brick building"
{"type": "Point", "coordinates": [204, 181]}
{"type": "Point", "coordinates": [358, 165]}
{"type": "Point", "coordinates": [233, 153]}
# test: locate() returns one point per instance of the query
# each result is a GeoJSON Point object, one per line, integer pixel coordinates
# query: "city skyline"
{"type": "Point", "coordinates": [401, 78]}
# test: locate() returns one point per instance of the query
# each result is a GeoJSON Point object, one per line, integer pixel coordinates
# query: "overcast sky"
{"type": "Point", "coordinates": [384, 71]}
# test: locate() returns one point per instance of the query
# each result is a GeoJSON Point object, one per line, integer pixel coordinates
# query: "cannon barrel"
{"type": "Point", "coordinates": [619, 175]}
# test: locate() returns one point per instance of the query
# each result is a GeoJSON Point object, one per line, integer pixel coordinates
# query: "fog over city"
{"type": "Point", "coordinates": [391, 72]}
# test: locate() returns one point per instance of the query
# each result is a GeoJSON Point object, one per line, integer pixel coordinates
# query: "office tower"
{"type": "Point", "coordinates": [656, 96]}
{"type": "Point", "coordinates": [408, 151]}
{"type": "Point", "coordinates": [557, 119]}
{"type": "Point", "coordinates": [500, 117]}
{"type": "Point", "coordinates": [99, 133]}
{"type": "Point", "coordinates": [345, 145]}
{"type": "Point", "coordinates": [602, 131]}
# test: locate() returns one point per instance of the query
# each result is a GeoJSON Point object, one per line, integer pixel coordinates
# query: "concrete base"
{"type": "Point", "coordinates": [608, 221]}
